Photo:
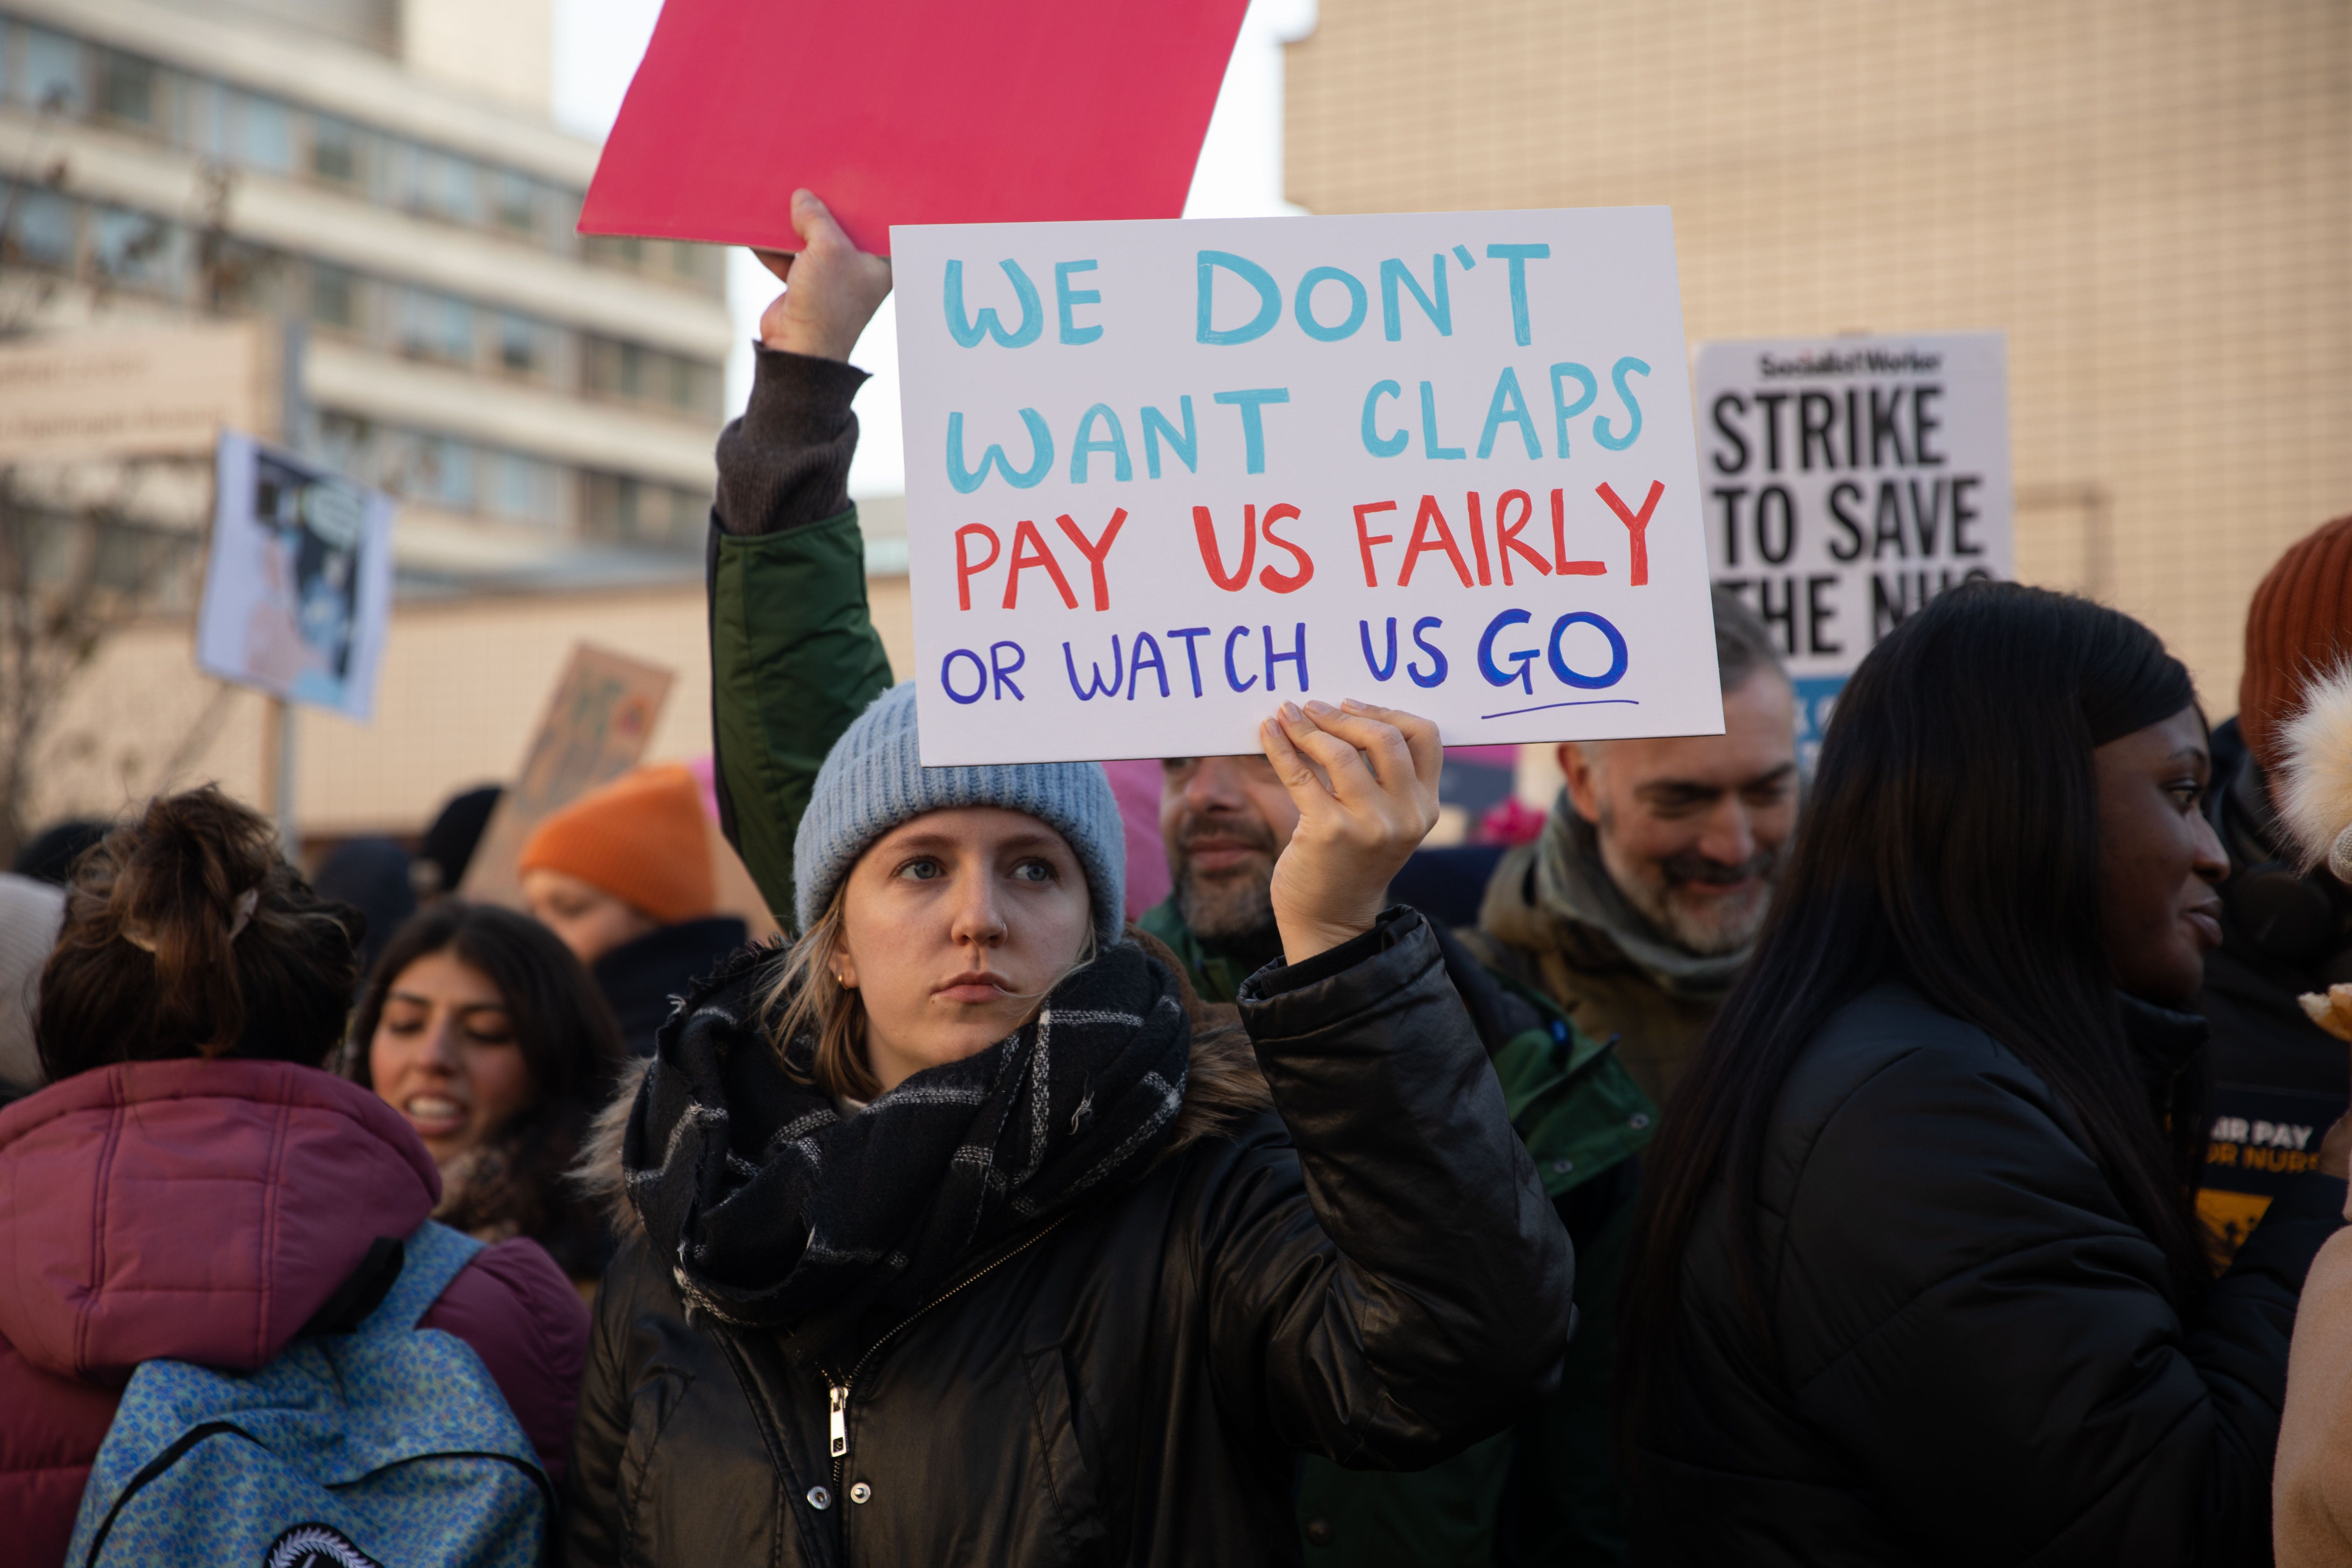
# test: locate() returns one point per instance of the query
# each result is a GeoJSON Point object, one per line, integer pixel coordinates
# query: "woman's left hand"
{"type": "Point", "coordinates": [1365, 781]}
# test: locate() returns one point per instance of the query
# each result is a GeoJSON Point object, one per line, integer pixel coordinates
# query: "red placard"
{"type": "Point", "coordinates": [911, 111]}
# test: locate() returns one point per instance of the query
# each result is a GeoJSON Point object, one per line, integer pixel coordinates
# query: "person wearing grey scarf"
{"type": "Point", "coordinates": [1638, 905]}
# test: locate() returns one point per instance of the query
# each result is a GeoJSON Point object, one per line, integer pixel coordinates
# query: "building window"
{"type": "Point", "coordinates": [133, 248]}
{"type": "Point", "coordinates": [636, 512]}
{"type": "Point", "coordinates": [54, 78]}
{"type": "Point", "coordinates": [335, 151]}
{"type": "Point", "coordinates": [436, 325]}
{"type": "Point", "coordinates": [127, 88]}
{"type": "Point", "coordinates": [334, 296]}
{"type": "Point", "coordinates": [262, 135]}
{"type": "Point", "coordinates": [514, 202]}
{"type": "Point", "coordinates": [37, 226]}
{"type": "Point", "coordinates": [525, 489]}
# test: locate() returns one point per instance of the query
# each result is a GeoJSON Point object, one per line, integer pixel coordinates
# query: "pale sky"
{"type": "Point", "coordinates": [599, 42]}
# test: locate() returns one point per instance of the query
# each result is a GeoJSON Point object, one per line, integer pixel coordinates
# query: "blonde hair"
{"type": "Point", "coordinates": [807, 998]}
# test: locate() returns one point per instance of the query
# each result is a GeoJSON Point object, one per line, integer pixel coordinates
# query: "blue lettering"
{"type": "Point", "coordinates": [1001, 674]}
{"type": "Point", "coordinates": [1436, 676]}
{"type": "Point", "coordinates": [1097, 686]}
{"type": "Point", "coordinates": [1428, 447]}
{"type": "Point", "coordinates": [1269, 298]}
{"type": "Point", "coordinates": [1298, 656]}
{"type": "Point", "coordinates": [968, 333]}
{"type": "Point", "coordinates": [1040, 445]}
{"type": "Point", "coordinates": [1378, 444]}
{"type": "Point", "coordinates": [1561, 407]}
{"type": "Point", "coordinates": [1067, 297]}
{"type": "Point", "coordinates": [1137, 661]}
{"type": "Point", "coordinates": [1610, 677]}
{"type": "Point", "coordinates": [1509, 405]}
{"type": "Point", "coordinates": [1234, 676]}
{"type": "Point", "coordinates": [1439, 310]}
{"type": "Point", "coordinates": [1253, 428]}
{"type": "Point", "coordinates": [1522, 658]}
{"type": "Point", "coordinates": [1617, 373]}
{"type": "Point", "coordinates": [947, 678]}
{"type": "Point", "coordinates": [1518, 256]}
{"type": "Point", "coordinates": [1192, 634]}
{"type": "Point", "coordinates": [1116, 445]}
{"type": "Point", "coordinates": [1303, 306]}
{"type": "Point", "coordinates": [1380, 671]}
{"type": "Point", "coordinates": [1186, 447]}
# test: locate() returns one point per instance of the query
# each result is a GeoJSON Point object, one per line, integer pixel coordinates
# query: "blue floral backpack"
{"type": "Point", "coordinates": [386, 1445]}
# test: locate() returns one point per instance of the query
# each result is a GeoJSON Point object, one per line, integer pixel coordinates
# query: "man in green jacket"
{"type": "Point", "coordinates": [795, 658]}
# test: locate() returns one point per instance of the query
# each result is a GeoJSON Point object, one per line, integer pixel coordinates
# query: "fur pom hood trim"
{"type": "Point", "coordinates": [2313, 790]}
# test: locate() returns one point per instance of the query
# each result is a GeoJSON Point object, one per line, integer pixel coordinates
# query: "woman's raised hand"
{"type": "Point", "coordinates": [831, 288]}
{"type": "Point", "coordinates": [1365, 781]}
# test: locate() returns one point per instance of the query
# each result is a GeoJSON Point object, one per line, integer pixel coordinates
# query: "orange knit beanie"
{"type": "Point", "coordinates": [641, 838]}
{"type": "Point", "coordinates": [2300, 625]}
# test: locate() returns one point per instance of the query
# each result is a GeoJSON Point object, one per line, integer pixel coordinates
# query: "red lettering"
{"type": "Point", "coordinates": [1025, 556]}
{"type": "Point", "coordinates": [1204, 527]}
{"type": "Point", "coordinates": [1506, 534]}
{"type": "Point", "coordinates": [1276, 581]}
{"type": "Point", "coordinates": [1364, 541]}
{"type": "Point", "coordinates": [965, 568]}
{"type": "Point", "coordinates": [1560, 561]}
{"type": "Point", "coordinates": [1478, 540]}
{"type": "Point", "coordinates": [1637, 526]}
{"type": "Point", "coordinates": [1420, 541]}
{"type": "Point", "coordinates": [1094, 552]}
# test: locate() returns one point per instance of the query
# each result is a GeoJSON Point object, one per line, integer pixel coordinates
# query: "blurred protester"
{"type": "Point", "coordinates": [1021, 1375]}
{"type": "Point", "coordinates": [624, 875]}
{"type": "Point", "coordinates": [2278, 1079]}
{"type": "Point", "coordinates": [2311, 1520]}
{"type": "Point", "coordinates": [191, 1185]}
{"type": "Point", "coordinates": [1637, 908]}
{"type": "Point", "coordinates": [30, 913]}
{"type": "Point", "coordinates": [481, 1028]}
{"type": "Point", "coordinates": [449, 845]}
{"type": "Point", "coordinates": [50, 855]}
{"type": "Point", "coordinates": [1920, 1277]}
{"type": "Point", "coordinates": [374, 876]}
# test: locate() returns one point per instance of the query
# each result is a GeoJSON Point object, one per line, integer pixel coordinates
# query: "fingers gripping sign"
{"type": "Point", "coordinates": [1364, 779]}
{"type": "Point", "coordinates": [833, 288]}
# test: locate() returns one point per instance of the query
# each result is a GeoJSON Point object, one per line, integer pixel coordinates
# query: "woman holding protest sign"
{"type": "Point", "coordinates": [1922, 1278]}
{"type": "Point", "coordinates": [957, 1241]}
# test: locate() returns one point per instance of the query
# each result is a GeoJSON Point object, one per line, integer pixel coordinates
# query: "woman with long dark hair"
{"type": "Point", "coordinates": [479, 1026]}
{"type": "Point", "coordinates": [1920, 1277]}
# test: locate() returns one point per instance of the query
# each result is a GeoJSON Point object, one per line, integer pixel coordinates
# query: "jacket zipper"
{"type": "Point", "coordinates": [838, 1393]}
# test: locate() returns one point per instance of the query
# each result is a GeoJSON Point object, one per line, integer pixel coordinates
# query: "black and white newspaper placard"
{"type": "Point", "coordinates": [1848, 481]}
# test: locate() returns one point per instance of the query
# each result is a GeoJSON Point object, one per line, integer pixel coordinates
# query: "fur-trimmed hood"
{"type": "Point", "coordinates": [2315, 780]}
{"type": "Point", "coordinates": [1223, 1088]}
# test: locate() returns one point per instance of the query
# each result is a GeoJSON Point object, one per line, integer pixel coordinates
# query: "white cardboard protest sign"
{"type": "Point", "coordinates": [1849, 481]}
{"type": "Point", "coordinates": [1164, 476]}
{"type": "Point", "coordinates": [297, 581]}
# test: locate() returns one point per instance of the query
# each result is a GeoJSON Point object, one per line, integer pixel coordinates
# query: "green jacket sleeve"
{"type": "Point", "coordinates": [794, 659]}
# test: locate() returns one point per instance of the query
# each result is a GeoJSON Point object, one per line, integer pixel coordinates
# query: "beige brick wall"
{"type": "Point", "coordinates": [2153, 200]}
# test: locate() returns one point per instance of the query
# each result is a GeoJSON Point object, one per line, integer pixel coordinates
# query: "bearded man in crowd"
{"type": "Point", "coordinates": [1637, 908]}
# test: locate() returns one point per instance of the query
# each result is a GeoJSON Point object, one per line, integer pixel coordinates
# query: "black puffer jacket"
{"type": "Point", "coordinates": [1977, 1359]}
{"type": "Point", "coordinates": [1375, 1274]}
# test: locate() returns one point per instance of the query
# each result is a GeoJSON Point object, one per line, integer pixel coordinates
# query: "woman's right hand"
{"type": "Point", "coordinates": [832, 288]}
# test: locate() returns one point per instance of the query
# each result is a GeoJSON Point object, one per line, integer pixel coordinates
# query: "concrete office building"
{"type": "Point", "coordinates": [386, 173]}
{"type": "Point", "coordinates": [2153, 201]}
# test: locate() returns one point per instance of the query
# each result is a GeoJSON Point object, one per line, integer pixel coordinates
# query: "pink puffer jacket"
{"type": "Point", "coordinates": [203, 1211]}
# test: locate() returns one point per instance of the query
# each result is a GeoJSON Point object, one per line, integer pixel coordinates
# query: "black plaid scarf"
{"type": "Point", "coordinates": [772, 1208]}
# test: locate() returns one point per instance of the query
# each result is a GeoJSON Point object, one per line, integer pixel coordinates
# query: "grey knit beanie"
{"type": "Point", "coordinates": [874, 779]}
